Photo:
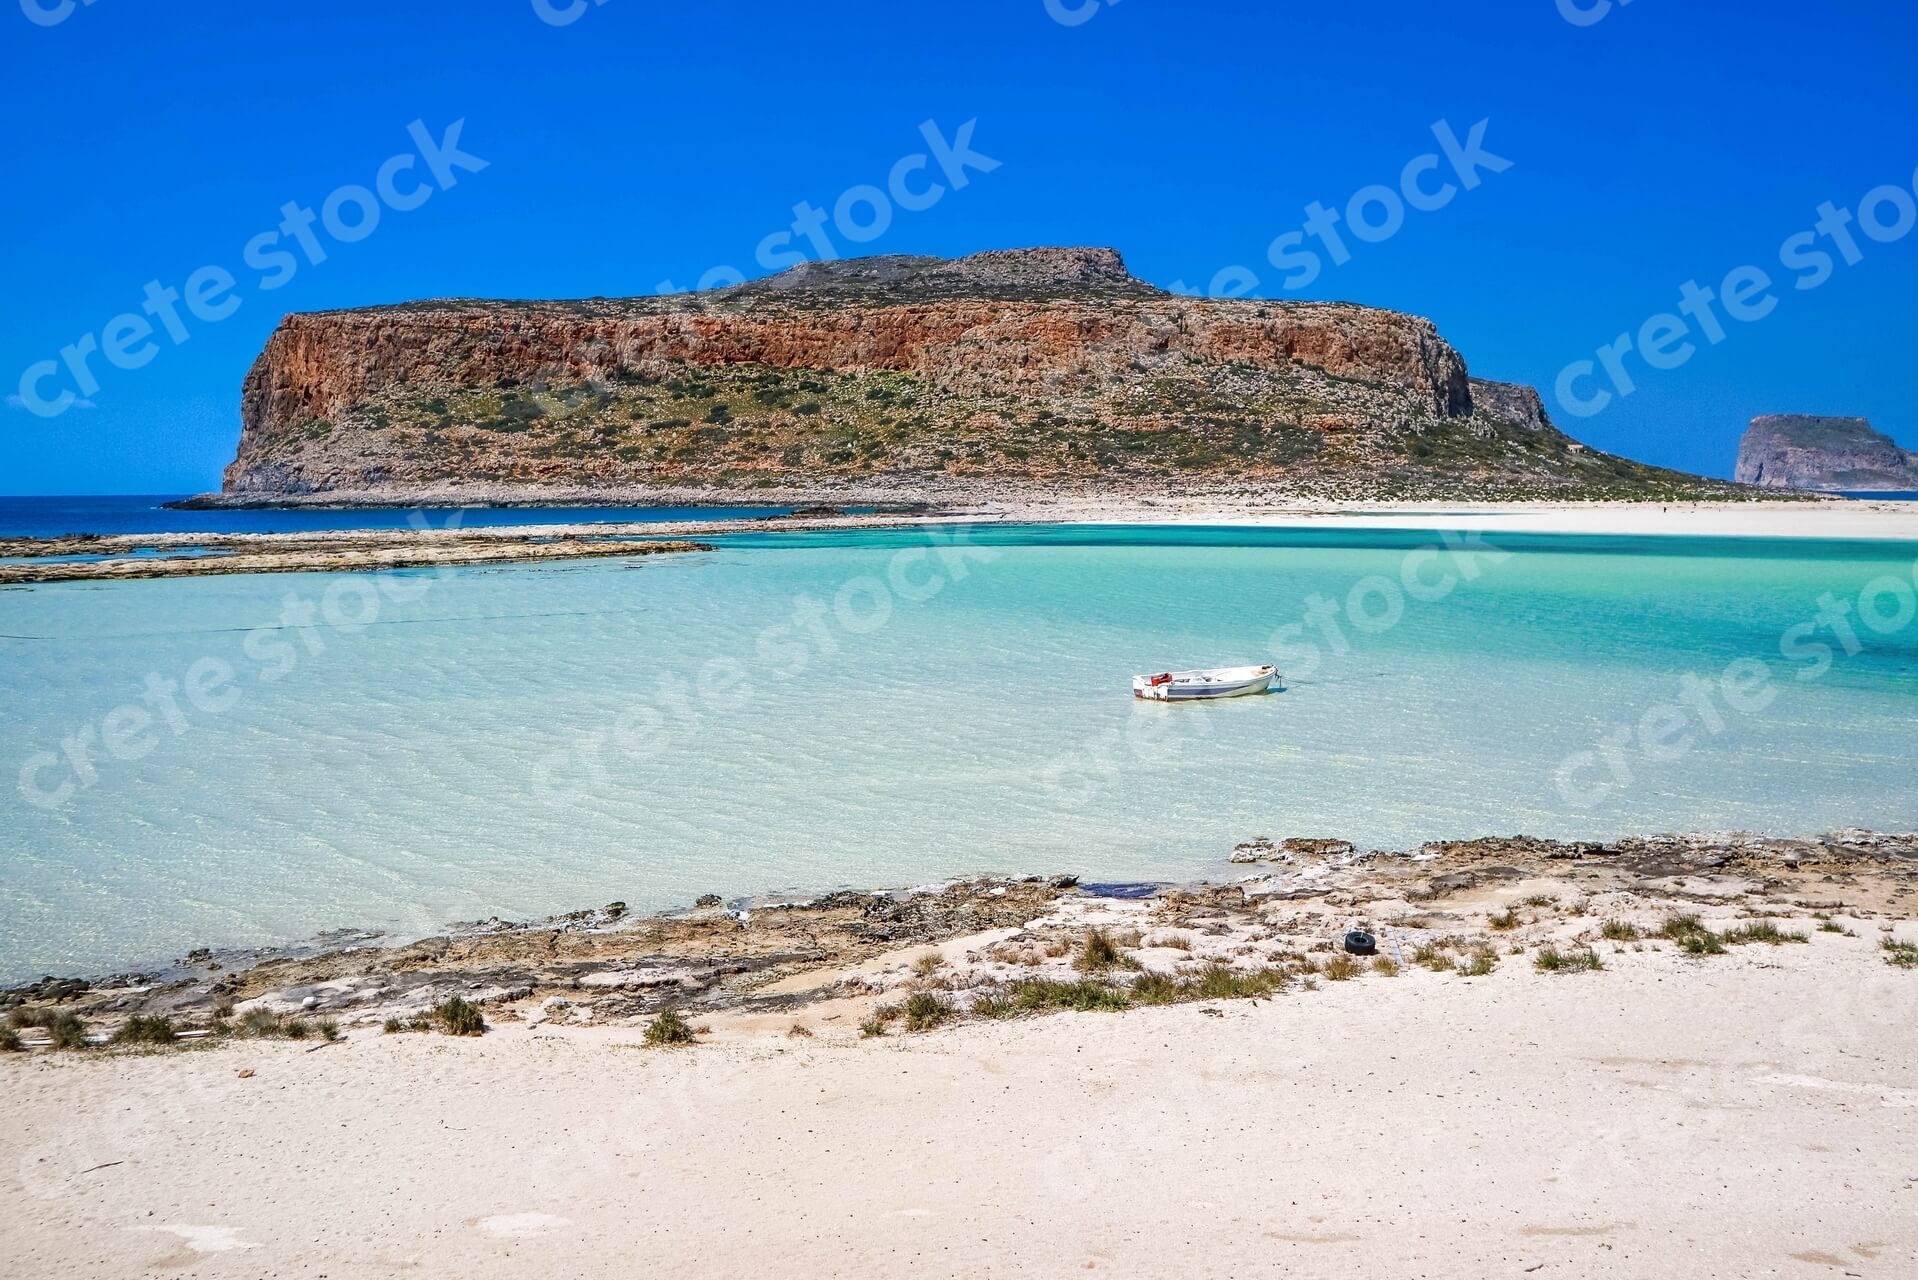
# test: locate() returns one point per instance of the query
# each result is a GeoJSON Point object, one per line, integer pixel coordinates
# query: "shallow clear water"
{"type": "Point", "coordinates": [501, 744]}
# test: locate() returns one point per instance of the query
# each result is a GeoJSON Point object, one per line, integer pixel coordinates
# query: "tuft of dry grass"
{"type": "Point", "coordinates": [1479, 963]}
{"type": "Point", "coordinates": [1692, 936]}
{"type": "Point", "coordinates": [1100, 952]}
{"type": "Point", "coordinates": [1618, 931]}
{"type": "Point", "coordinates": [1505, 921]}
{"type": "Point", "coordinates": [1551, 960]}
{"type": "Point", "coordinates": [1903, 955]}
{"type": "Point", "coordinates": [1828, 925]}
{"type": "Point", "coordinates": [260, 1023]}
{"type": "Point", "coordinates": [1541, 900]}
{"type": "Point", "coordinates": [927, 963]}
{"type": "Point", "coordinates": [1172, 941]}
{"type": "Point", "coordinates": [1385, 966]}
{"type": "Point", "coordinates": [1432, 956]}
{"type": "Point", "coordinates": [1341, 968]}
{"type": "Point", "coordinates": [800, 1031]}
{"type": "Point", "coordinates": [144, 1030]}
{"type": "Point", "coordinates": [1766, 931]}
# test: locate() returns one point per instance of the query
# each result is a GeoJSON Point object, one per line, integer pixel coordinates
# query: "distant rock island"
{"type": "Point", "coordinates": [1798, 451]}
{"type": "Point", "coordinates": [906, 377]}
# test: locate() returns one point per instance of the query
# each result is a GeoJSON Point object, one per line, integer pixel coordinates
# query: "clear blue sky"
{"type": "Point", "coordinates": [1669, 140]}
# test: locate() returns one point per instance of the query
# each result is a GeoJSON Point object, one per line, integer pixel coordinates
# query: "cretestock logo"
{"type": "Point", "coordinates": [864, 212]}
{"type": "Point", "coordinates": [555, 15]}
{"type": "Point", "coordinates": [1073, 15]}
{"type": "Point", "coordinates": [1585, 15]}
{"type": "Point", "coordinates": [350, 214]}
{"type": "Point", "coordinates": [1886, 215]}
{"type": "Point", "coordinates": [1321, 223]}
{"type": "Point", "coordinates": [50, 15]}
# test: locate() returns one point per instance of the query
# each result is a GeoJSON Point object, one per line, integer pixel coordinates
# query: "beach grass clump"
{"type": "Point", "coordinates": [1223, 982]}
{"type": "Point", "coordinates": [1432, 956]}
{"type": "Point", "coordinates": [1903, 955]}
{"type": "Point", "coordinates": [1341, 968]}
{"type": "Point", "coordinates": [461, 1017]}
{"type": "Point", "coordinates": [1828, 925]}
{"type": "Point", "coordinates": [1618, 931]}
{"type": "Point", "coordinates": [1385, 966]}
{"type": "Point", "coordinates": [140, 1029]}
{"type": "Point", "coordinates": [1481, 962]}
{"type": "Point", "coordinates": [1173, 941]}
{"type": "Point", "coordinates": [1692, 936]}
{"type": "Point", "coordinates": [799, 1031]}
{"type": "Point", "coordinates": [1032, 995]}
{"type": "Point", "coordinates": [924, 1011]}
{"type": "Point", "coordinates": [1541, 900]}
{"type": "Point", "coordinates": [329, 1029]}
{"type": "Point", "coordinates": [873, 1027]}
{"type": "Point", "coordinates": [65, 1030]}
{"type": "Point", "coordinates": [10, 1040]}
{"type": "Point", "coordinates": [1766, 931]}
{"type": "Point", "coordinates": [1505, 921]}
{"type": "Point", "coordinates": [1677, 927]}
{"type": "Point", "coordinates": [992, 1003]}
{"type": "Point", "coordinates": [1551, 960]}
{"type": "Point", "coordinates": [1155, 988]}
{"type": "Point", "coordinates": [927, 963]}
{"type": "Point", "coordinates": [258, 1023]}
{"type": "Point", "coordinates": [668, 1029]}
{"type": "Point", "coordinates": [296, 1029]}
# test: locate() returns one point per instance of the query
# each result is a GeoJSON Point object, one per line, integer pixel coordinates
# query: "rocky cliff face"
{"type": "Point", "coordinates": [1038, 365]}
{"type": "Point", "coordinates": [1797, 451]}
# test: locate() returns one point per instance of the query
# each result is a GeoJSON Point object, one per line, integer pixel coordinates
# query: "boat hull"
{"type": "Point", "coordinates": [1203, 686]}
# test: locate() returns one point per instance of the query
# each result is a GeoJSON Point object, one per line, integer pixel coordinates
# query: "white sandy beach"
{"type": "Point", "coordinates": [1755, 1115]}
{"type": "Point", "coordinates": [1824, 518]}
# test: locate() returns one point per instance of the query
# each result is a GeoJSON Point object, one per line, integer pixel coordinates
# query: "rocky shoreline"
{"type": "Point", "coordinates": [858, 958]}
{"type": "Point", "coordinates": [88, 557]}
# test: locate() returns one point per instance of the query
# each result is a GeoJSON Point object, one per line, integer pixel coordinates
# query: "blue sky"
{"type": "Point", "coordinates": [1663, 142]}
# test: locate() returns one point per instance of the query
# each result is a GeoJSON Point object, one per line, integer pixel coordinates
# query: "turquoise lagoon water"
{"type": "Point", "coordinates": [440, 763]}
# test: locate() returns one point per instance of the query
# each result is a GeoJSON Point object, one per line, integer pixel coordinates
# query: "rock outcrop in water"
{"type": "Point", "coordinates": [897, 375]}
{"type": "Point", "coordinates": [1798, 451]}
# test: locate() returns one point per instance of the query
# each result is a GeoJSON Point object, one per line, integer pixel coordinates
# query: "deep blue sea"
{"type": "Point", "coordinates": [143, 513]}
{"type": "Point", "coordinates": [206, 762]}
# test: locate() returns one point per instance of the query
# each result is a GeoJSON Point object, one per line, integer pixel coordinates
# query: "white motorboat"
{"type": "Point", "coordinates": [1213, 682]}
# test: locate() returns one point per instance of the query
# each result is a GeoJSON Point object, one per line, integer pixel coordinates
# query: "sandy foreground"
{"type": "Point", "coordinates": [1744, 1113]}
{"type": "Point", "coordinates": [1659, 1120]}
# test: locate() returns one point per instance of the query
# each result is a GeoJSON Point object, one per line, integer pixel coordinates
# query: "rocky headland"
{"type": "Point", "coordinates": [896, 377]}
{"type": "Point", "coordinates": [1799, 451]}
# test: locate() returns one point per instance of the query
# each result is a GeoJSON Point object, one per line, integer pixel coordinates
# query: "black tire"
{"type": "Point", "coordinates": [1360, 943]}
